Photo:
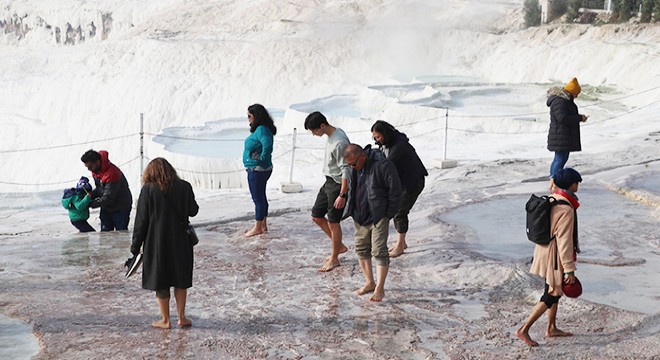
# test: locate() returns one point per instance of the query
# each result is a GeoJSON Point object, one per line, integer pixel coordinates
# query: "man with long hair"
{"type": "Point", "coordinates": [411, 172]}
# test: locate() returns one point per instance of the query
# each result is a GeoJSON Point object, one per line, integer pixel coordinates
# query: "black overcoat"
{"type": "Point", "coordinates": [564, 133]}
{"type": "Point", "coordinates": [159, 229]}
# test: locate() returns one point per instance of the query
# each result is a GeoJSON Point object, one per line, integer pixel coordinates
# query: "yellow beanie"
{"type": "Point", "coordinates": [573, 87]}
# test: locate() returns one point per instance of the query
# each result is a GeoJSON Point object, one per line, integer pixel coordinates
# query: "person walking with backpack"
{"type": "Point", "coordinates": [555, 262]}
{"type": "Point", "coordinates": [564, 132]}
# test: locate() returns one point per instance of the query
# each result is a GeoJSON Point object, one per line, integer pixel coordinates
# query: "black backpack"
{"type": "Point", "coordinates": [538, 218]}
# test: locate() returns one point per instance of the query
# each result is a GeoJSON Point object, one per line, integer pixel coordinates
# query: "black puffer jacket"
{"type": "Point", "coordinates": [409, 166]}
{"type": "Point", "coordinates": [383, 186]}
{"type": "Point", "coordinates": [564, 133]}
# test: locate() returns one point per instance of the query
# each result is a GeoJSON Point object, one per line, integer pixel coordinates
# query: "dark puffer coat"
{"type": "Point", "coordinates": [408, 165]}
{"type": "Point", "coordinates": [168, 256]}
{"type": "Point", "coordinates": [383, 186]}
{"type": "Point", "coordinates": [564, 133]}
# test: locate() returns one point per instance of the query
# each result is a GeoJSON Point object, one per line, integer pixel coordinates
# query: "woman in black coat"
{"type": "Point", "coordinates": [411, 172]}
{"type": "Point", "coordinates": [564, 133]}
{"type": "Point", "coordinates": [163, 208]}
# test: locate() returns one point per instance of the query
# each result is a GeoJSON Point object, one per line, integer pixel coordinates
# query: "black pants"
{"type": "Point", "coordinates": [82, 225]}
{"type": "Point", "coordinates": [408, 199]}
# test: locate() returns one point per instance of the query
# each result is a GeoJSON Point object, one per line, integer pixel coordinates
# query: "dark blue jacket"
{"type": "Point", "coordinates": [382, 183]}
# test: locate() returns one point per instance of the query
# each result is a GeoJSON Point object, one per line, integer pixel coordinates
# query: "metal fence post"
{"type": "Point", "coordinates": [141, 144]}
{"type": "Point", "coordinates": [292, 187]}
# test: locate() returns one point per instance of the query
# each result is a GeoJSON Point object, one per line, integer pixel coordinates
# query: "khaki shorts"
{"type": "Point", "coordinates": [371, 241]}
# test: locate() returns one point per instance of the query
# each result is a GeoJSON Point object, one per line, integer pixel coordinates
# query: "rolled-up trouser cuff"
{"type": "Point", "coordinates": [371, 241]}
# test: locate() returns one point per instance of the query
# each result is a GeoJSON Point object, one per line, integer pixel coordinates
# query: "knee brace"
{"type": "Point", "coordinates": [548, 299]}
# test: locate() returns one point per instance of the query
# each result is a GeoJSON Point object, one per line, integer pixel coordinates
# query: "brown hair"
{"type": "Point", "coordinates": [161, 173]}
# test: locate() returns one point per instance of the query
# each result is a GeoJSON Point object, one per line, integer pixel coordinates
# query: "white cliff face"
{"type": "Point", "coordinates": [74, 73]}
{"type": "Point", "coordinates": [193, 67]}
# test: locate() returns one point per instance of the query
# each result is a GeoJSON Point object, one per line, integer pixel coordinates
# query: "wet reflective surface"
{"type": "Point", "coordinates": [619, 252]}
{"type": "Point", "coordinates": [459, 291]}
{"type": "Point", "coordinates": [16, 340]}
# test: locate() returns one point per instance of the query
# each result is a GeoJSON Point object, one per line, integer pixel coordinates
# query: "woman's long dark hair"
{"type": "Point", "coordinates": [161, 173]}
{"type": "Point", "coordinates": [261, 117]}
{"type": "Point", "coordinates": [387, 130]}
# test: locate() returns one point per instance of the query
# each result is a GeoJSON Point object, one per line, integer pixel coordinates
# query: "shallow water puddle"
{"type": "Point", "coordinates": [618, 263]}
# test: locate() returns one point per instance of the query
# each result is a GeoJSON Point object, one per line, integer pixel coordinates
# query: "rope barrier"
{"type": "Point", "coordinates": [66, 145]}
{"type": "Point", "coordinates": [436, 118]}
{"type": "Point", "coordinates": [59, 182]}
{"type": "Point", "coordinates": [545, 112]}
{"type": "Point", "coordinates": [191, 138]}
{"type": "Point", "coordinates": [203, 172]}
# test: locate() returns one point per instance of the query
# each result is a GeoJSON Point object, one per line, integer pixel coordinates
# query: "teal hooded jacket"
{"type": "Point", "coordinates": [78, 206]}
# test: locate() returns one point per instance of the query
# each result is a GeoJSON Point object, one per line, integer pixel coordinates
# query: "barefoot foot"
{"type": "Point", "coordinates": [368, 288]}
{"type": "Point", "coordinates": [185, 323]}
{"type": "Point", "coordinates": [557, 333]}
{"type": "Point", "coordinates": [525, 337]}
{"type": "Point", "coordinates": [329, 265]}
{"type": "Point", "coordinates": [254, 231]}
{"type": "Point", "coordinates": [342, 250]}
{"type": "Point", "coordinates": [378, 295]}
{"type": "Point", "coordinates": [161, 324]}
{"type": "Point", "coordinates": [395, 252]}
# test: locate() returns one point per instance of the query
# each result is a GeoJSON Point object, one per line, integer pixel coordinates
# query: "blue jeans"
{"type": "Point", "coordinates": [114, 220]}
{"type": "Point", "coordinates": [257, 183]}
{"type": "Point", "coordinates": [561, 157]}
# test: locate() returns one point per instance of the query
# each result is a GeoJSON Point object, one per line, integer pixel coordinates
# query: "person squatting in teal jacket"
{"type": "Point", "coordinates": [77, 201]}
{"type": "Point", "coordinates": [257, 155]}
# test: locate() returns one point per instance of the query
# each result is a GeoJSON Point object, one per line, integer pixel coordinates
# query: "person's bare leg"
{"type": "Point", "coordinates": [367, 271]}
{"type": "Point", "coordinates": [400, 246]}
{"type": "Point", "coordinates": [264, 226]}
{"type": "Point", "coordinates": [523, 332]}
{"type": "Point", "coordinates": [337, 247]}
{"type": "Point", "coordinates": [379, 292]}
{"type": "Point", "coordinates": [164, 306]}
{"type": "Point", "coordinates": [323, 224]}
{"type": "Point", "coordinates": [552, 330]}
{"type": "Point", "coordinates": [256, 229]}
{"type": "Point", "coordinates": [180, 297]}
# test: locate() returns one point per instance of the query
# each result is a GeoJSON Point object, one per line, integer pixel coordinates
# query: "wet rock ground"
{"type": "Point", "coordinates": [261, 297]}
